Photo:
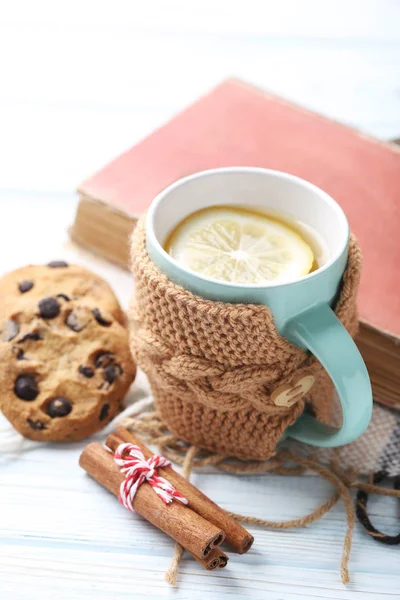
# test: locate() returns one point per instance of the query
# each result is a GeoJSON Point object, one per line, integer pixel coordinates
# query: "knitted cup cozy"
{"type": "Point", "coordinates": [213, 366]}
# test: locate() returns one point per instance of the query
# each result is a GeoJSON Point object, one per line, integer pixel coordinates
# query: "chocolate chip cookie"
{"type": "Point", "coordinates": [64, 368]}
{"type": "Point", "coordinates": [58, 279]}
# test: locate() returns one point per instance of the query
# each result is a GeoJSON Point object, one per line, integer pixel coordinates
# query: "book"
{"type": "Point", "coordinates": [237, 124]}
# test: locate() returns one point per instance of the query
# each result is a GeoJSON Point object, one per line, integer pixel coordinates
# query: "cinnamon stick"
{"type": "Point", "coordinates": [215, 560]}
{"type": "Point", "coordinates": [223, 560]}
{"type": "Point", "coordinates": [236, 535]}
{"type": "Point", "coordinates": [178, 521]}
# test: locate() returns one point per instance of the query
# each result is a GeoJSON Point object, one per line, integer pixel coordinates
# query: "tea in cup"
{"type": "Point", "coordinates": [239, 245]}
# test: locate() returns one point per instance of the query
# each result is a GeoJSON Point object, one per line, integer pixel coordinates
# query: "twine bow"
{"type": "Point", "coordinates": [137, 470]}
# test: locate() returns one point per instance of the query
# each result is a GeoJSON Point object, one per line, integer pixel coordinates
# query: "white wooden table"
{"type": "Point", "coordinates": [80, 82]}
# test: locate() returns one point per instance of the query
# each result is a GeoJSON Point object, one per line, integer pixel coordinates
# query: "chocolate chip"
{"type": "Point", "coordinates": [76, 320]}
{"type": "Point", "coordinates": [34, 336]}
{"type": "Point", "coordinates": [10, 330]}
{"type": "Point", "coordinates": [110, 373]}
{"type": "Point", "coordinates": [49, 308]}
{"type": "Point", "coordinates": [103, 359]}
{"type": "Point", "coordinates": [64, 297]}
{"type": "Point", "coordinates": [57, 264]}
{"type": "Point", "coordinates": [104, 412]}
{"type": "Point", "coordinates": [100, 319]}
{"type": "Point", "coordinates": [25, 286]}
{"type": "Point", "coordinates": [86, 371]}
{"type": "Point", "coordinates": [59, 407]}
{"type": "Point", "coordinates": [25, 387]}
{"type": "Point", "coordinates": [37, 425]}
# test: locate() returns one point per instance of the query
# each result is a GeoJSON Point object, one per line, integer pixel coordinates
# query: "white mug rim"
{"type": "Point", "coordinates": [161, 197]}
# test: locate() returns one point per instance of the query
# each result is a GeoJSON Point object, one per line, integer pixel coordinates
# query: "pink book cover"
{"type": "Point", "coordinates": [237, 124]}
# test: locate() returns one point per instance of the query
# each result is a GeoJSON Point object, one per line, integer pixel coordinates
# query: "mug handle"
{"type": "Point", "coordinates": [319, 330]}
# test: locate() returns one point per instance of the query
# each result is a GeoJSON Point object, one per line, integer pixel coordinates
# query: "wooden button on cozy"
{"type": "Point", "coordinates": [290, 393]}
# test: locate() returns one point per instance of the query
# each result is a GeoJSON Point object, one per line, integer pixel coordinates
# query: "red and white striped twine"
{"type": "Point", "coordinates": [137, 470]}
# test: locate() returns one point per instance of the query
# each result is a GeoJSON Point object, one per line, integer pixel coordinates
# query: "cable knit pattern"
{"type": "Point", "coordinates": [213, 365]}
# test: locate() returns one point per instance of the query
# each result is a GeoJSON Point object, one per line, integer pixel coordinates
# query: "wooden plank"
{"type": "Point", "coordinates": [71, 532]}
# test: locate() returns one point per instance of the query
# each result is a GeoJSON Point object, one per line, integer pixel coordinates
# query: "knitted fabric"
{"type": "Point", "coordinates": [213, 366]}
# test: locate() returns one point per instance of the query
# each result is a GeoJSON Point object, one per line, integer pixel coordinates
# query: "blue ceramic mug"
{"type": "Point", "coordinates": [301, 308]}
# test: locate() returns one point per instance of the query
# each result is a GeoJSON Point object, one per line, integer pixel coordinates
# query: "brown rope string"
{"type": "Point", "coordinates": [154, 431]}
{"type": "Point", "coordinates": [342, 491]}
{"type": "Point", "coordinates": [316, 514]}
{"type": "Point", "coordinates": [171, 575]}
{"type": "Point", "coordinates": [375, 489]}
{"type": "Point", "coordinates": [172, 572]}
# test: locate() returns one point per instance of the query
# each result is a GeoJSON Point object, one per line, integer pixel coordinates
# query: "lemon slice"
{"type": "Point", "coordinates": [239, 246]}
